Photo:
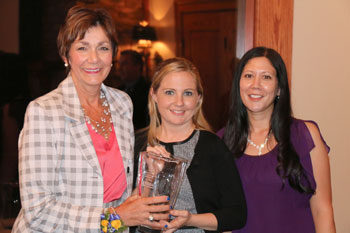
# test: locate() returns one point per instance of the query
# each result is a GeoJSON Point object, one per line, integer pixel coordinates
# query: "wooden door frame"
{"type": "Point", "coordinates": [249, 24]}
{"type": "Point", "coordinates": [261, 28]}
{"type": "Point", "coordinates": [226, 29]}
{"type": "Point", "coordinates": [204, 5]}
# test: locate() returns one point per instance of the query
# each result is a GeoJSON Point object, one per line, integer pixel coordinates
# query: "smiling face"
{"type": "Point", "coordinates": [90, 58]}
{"type": "Point", "coordinates": [177, 99]}
{"type": "Point", "coordinates": [259, 86]}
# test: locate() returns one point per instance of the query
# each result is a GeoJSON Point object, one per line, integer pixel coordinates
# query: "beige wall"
{"type": "Point", "coordinates": [321, 86]}
{"type": "Point", "coordinates": [9, 28]}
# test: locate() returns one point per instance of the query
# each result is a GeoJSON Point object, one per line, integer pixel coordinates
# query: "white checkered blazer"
{"type": "Point", "coordinates": [60, 178]}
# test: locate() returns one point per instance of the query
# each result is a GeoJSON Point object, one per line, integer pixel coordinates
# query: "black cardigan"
{"type": "Point", "coordinates": [214, 180]}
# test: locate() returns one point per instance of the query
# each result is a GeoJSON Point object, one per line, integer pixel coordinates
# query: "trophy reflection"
{"type": "Point", "coordinates": [159, 176]}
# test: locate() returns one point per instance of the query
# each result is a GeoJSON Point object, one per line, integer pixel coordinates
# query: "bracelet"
{"type": "Point", "coordinates": [111, 222]}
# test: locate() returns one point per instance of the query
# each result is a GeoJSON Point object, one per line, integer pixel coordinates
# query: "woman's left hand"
{"type": "Point", "coordinates": [182, 217]}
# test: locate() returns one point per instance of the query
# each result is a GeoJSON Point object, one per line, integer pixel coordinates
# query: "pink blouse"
{"type": "Point", "coordinates": [111, 163]}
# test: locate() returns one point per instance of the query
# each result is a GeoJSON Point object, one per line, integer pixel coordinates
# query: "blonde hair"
{"type": "Point", "coordinates": [172, 65]}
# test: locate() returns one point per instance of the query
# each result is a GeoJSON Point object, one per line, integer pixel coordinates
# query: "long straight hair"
{"type": "Point", "coordinates": [237, 128]}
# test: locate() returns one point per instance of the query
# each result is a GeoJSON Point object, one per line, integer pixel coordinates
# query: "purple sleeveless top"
{"type": "Point", "coordinates": [270, 208]}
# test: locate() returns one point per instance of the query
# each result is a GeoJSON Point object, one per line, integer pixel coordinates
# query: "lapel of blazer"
{"type": "Point", "coordinates": [120, 112]}
{"type": "Point", "coordinates": [76, 124]}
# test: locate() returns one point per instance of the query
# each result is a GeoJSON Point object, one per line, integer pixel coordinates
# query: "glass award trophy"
{"type": "Point", "coordinates": [159, 176]}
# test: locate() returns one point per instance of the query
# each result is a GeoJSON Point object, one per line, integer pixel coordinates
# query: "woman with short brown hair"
{"type": "Point", "coordinates": [76, 146]}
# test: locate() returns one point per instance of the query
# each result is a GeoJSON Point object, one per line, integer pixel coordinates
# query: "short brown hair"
{"type": "Point", "coordinates": [80, 18]}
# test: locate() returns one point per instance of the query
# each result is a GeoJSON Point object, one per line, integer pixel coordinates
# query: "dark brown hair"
{"type": "Point", "coordinates": [80, 18]}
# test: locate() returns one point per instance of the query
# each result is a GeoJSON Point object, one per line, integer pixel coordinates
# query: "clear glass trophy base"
{"type": "Point", "coordinates": [159, 176]}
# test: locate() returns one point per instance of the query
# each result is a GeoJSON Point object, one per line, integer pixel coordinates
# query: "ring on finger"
{"type": "Point", "coordinates": [150, 217]}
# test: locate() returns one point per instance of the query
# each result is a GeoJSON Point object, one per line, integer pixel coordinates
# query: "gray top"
{"type": "Point", "coordinates": [214, 184]}
{"type": "Point", "coordinates": [185, 200]}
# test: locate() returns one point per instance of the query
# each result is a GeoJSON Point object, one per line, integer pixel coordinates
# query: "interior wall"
{"type": "Point", "coordinates": [9, 10]}
{"type": "Point", "coordinates": [320, 86]}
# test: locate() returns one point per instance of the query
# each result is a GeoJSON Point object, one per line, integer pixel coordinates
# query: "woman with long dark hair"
{"type": "Point", "coordinates": [283, 161]}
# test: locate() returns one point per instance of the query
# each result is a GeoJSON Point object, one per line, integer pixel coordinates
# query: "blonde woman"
{"type": "Point", "coordinates": [211, 197]}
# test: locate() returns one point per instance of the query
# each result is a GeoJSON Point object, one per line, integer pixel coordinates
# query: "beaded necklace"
{"type": "Point", "coordinates": [261, 146]}
{"type": "Point", "coordinates": [98, 126]}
